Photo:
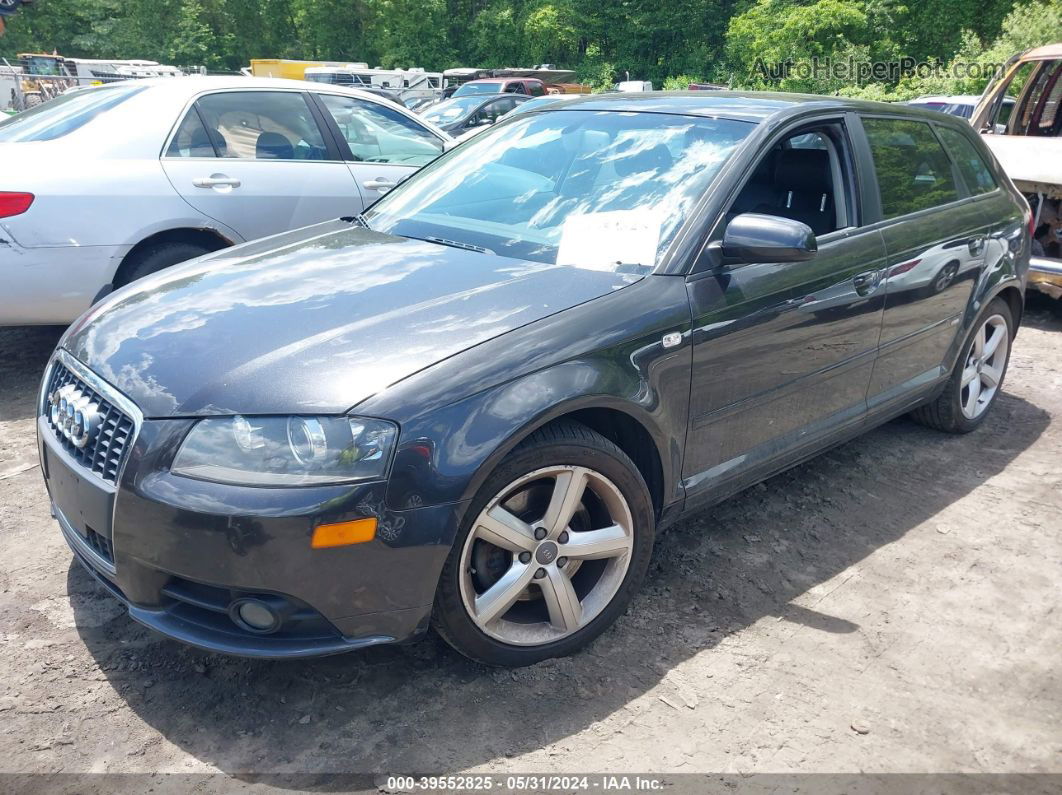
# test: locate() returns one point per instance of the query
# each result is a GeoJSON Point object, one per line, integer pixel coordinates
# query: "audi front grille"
{"type": "Point", "coordinates": [91, 428]}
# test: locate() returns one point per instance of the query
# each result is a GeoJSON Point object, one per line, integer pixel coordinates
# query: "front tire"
{"type": "Point", "coordinates": [978, 375]}
{"type": "Point", "coordinates": [551, 549]}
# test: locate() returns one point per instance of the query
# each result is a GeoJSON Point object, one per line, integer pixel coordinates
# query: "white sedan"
{"type": "Point", "coordinates": [106, 185]}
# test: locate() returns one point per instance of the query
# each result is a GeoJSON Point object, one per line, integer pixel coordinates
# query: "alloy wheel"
{"type": "Point", "coordinates": [985, 363]}
{"type": "Point", "coordinates": [546, 555]}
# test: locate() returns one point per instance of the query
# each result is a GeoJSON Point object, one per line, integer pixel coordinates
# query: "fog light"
{"type": "Point", "coordinates": [255, 615]}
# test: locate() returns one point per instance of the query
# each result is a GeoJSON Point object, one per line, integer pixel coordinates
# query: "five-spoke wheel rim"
{"type": "Point", "coordinates": [984, 366]}
{"type": "Point", "coordinates": [546, 555]}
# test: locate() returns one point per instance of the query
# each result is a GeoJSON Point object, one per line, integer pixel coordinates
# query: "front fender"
{"type": "Point", "coordinates": [607, 354]}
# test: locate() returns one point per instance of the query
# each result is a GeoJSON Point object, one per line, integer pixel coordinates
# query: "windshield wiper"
{"type": "Point", "coordinates": [442, 241]}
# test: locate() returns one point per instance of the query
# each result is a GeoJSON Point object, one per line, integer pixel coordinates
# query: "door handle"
{"type": "Point", "coordinates": [866, 283]}
{"type": "Point", "coordinates": [216, 181]}
{"type": "Point", "coordinates": [380, 184]}
{"type": "Point", "coordinates": [977, 246]}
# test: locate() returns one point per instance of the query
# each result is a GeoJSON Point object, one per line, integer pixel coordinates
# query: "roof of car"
{"type": "Point", "coordinates": [750, 106]}
{"type": "Point", "coordinates": [193, 84]}
{"type": "Point", "coordinates": [953, 99]}
{"type": "Point", "coordinates": [503, 79]}
{"type": "Point", "coordinates": [1048, 51]}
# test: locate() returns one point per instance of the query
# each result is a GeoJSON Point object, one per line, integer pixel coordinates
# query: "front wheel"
{"type": "Point", "coordinates": [978, 374]}
{"type": "Point", "coordinates": [551, 550]}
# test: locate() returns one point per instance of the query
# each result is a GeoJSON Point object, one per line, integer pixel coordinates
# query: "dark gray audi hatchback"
{"type": "Point", "coordinates": [472, 407]}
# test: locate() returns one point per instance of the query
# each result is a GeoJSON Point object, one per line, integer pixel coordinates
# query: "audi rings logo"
{"type": "Point", "coordinates": [74, 414]}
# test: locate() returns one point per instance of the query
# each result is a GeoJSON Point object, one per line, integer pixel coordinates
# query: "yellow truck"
{"type": "Point", "coordinates": [281, 67]}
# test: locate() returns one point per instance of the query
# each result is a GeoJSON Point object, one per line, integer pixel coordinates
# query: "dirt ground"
{"type": "Point", "coordinates": [892, 606]}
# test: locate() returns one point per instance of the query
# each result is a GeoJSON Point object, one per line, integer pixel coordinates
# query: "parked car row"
{"type": "Point", "coordinates": [473, 405]}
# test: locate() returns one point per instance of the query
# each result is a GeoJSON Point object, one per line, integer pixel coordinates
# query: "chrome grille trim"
{"type": "Point", "coordinates": [105, 456]}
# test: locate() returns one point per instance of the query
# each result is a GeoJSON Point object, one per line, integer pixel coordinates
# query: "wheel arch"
{"type": "Point", "coordinates": [1014, 298]}
{"type": "Point", "coordinates": [626, 425]}
{"type": "Point", "coordinates": [210, 238]}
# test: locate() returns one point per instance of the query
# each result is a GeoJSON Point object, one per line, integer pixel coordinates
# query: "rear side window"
{"type": "Point", "coordinates": [261, 125]}
{"type": "Point", "coordinates": [974, 170]}
{"type": "Point", "coordinates": [63, 115]}
{"type": "Point", "coordinates": [913, 170]}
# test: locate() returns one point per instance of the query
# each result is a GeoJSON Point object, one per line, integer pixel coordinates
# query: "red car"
{"type": "Point", "coordinates": [529, 86]}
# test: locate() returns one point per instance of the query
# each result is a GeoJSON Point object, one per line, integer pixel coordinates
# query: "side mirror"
{"type": "Point", "coordinates": [751, 237]}
{"type": "Point", "coordinates": [485, 122]}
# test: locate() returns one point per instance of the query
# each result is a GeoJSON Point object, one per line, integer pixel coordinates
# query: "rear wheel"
{"type": "Point", "coordinates": [552, 548]}
{"type": "Point", "coordinates": [978, 375]}
{"type": "Point", "coordinates": [156, 257]}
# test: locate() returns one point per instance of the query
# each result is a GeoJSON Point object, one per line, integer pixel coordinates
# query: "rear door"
{"type": "Point", "coordinates": [381, 144]}
{"type": "Point", "coordinates": [935, 235]}
{"type": "Point", "coordinates": [259, 162]}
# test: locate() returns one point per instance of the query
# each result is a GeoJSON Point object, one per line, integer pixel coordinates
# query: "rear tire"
{"type": "Point", "coordinates": [572, 545]}
{"type": "Point", "coordinates": [157, 257]}
{"type": "Point", "coordinates": [978, 375]}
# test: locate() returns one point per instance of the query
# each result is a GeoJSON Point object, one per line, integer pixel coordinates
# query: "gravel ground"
{"type": "Point", "coordinates": [891, 606]}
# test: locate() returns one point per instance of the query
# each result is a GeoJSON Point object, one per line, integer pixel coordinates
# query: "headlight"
{"type": "Point", "coordinates": [286, 451]}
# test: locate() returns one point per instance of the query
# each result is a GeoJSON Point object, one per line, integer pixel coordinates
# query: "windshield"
{"type": "Point", "coordinates": [605, 190]}
{"type": "Point", "coordinates": [488, 87]}
{"type": "Point", "coordinates": [64, 114]}
{"type": "Point", "coordinates": [452, 109]}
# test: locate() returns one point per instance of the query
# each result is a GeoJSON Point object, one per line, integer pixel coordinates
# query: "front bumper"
{"type": "Point", "coordinates": [1045, 275]}
{"type": "Point", "coordinates": [177, 552]}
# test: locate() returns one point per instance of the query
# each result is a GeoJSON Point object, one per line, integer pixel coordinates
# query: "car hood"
{"type": "Point", "coordinates": [313, 321]}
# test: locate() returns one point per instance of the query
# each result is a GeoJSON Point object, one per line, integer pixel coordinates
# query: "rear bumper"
{"type": "Point", "coordinates": [1045, 275]}
{"type": "Point", "coordinates": [52, 285]}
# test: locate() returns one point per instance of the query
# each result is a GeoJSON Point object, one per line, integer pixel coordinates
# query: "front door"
{"type": "Point", "coordinates": [258, 162]}
{"type": "Point", "coordinates": [783, 353]}
{"type": "Point", "coordinates": [383, 145]}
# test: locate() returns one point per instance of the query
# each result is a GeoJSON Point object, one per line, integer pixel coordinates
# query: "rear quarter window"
{"type": "Point", "coordinates": [975, 172]}
{"type": "Point", "coordinates": [913, 170]}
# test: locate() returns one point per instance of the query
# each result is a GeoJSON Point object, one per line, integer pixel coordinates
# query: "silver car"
{"type": "Point", "coordinates": [106, 185]}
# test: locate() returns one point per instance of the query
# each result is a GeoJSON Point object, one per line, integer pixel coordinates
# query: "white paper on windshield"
{"type": "Point", "coordinates": [601, 241]}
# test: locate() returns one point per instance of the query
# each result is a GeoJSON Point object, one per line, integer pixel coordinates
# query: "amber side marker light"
{"type": "Point", "coordinates": [343, 534]}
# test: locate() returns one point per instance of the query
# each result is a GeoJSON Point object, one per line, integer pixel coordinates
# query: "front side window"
{"type": "Point", "coordinates": [262, 125]}
{"type": "Point", "coordinates": [62, 115]}
{"type": "Point", "coordinates": [913, 170]}
{"type": "Point", "coordinates": [492, 111]}
{"type": "Point", "coordinates": [378, 134]}
{"type": "Point", "coordinates": [975, 172]}
{"type": "Point", "coordinates": [538, 90]}
{"type": "Point", "coordinates": [601, 190]}
{"type": "Point", "coordinates": [452, 110]}
{"type": "Point", "coordinates": [801, 178]}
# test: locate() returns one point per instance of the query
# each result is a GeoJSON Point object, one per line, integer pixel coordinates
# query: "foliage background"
{"type": "Point", "coordinates": [667, 41]}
